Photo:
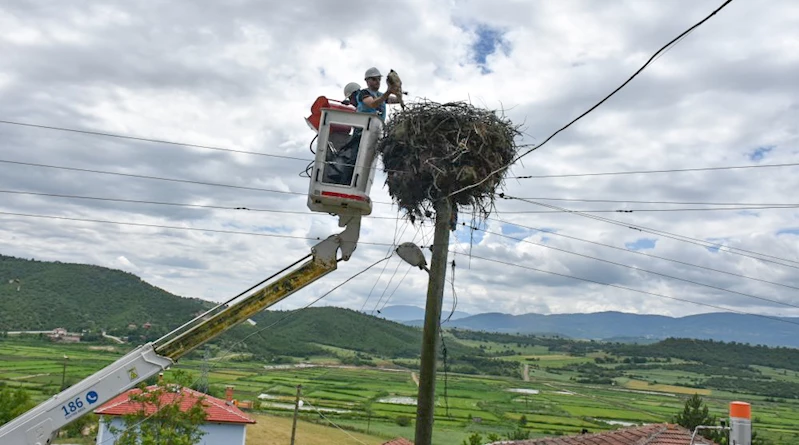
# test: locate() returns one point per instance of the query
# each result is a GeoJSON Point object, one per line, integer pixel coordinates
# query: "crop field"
{"type": "Point", "coordinates": [379, 403]}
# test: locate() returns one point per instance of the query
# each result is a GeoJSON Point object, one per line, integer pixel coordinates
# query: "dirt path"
{"type": "Point", "coordinates": [415, 378]}
{"type": "Point", "coordinates": [526, 373]}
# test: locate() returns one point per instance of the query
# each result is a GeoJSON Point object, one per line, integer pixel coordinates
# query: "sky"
{"type": "Point", "coordinates": [242, 75]}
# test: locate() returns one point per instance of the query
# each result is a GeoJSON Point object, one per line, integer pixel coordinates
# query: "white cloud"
{"type": "Point", "coordinates": [243, 76]}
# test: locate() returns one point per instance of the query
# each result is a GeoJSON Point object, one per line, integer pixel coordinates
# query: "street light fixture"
{"type": "Point", "coordinates": [412, 254]}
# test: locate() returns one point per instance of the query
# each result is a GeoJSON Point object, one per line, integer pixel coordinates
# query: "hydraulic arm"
{"type": "Point", "coordinates": [39, 425]}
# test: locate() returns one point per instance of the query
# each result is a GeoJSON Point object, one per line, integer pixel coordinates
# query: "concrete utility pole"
{"type": "Point", "coordinates": [426, 401]}
{"type": "Point", "coordinates": [296, 411]}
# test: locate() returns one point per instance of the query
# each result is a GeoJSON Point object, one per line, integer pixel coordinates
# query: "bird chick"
{"type": "Point", "coordinates": [393, 80]}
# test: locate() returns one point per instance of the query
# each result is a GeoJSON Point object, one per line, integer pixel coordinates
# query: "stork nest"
{"type": "Point", "coordinates": [431, 151]}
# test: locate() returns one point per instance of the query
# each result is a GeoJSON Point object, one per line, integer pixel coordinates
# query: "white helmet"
{"type": "Point", "coordinates": [350, 88]}
{"type": "Point", "coordinates": [372, 72]}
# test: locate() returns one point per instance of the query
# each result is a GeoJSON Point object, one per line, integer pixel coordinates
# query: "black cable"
{"type": "Point", "coordinates": [654, 56]}
{"type": "Point", "coordinates": [636, 290]}
{"type": "Point", "coordinates": [158, 178]}
{"type": "Point", "coordinates": [683, 238]}
{"type": "Point", "coordinates": [552, 232]}
{"type": "Point", "coordinates": [638, 268]}
{"type": "Point", "coordinates": [162, 141]}
{"type": "Point", "coordinates": [176, 204]}
{"type": "Point", "coordinates": [643, 172]}
{"type": "Point", "coordinates": [230, 300]}
{"type": "Point", "coordinates": [157, 141]}
{"type": "Point", "coordinates": [159, 226]}
{"type": "Point", "coordinates": [690, 209]}
{"type": "Point", "coordinates": [629, 201]}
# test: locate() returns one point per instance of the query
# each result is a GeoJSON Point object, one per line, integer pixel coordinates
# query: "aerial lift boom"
{"type": "Point", "coordinates": [354, 136]}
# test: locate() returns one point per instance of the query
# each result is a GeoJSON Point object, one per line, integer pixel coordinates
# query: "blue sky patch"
{"type": "Point", "coordinates": [759, 153]}
{"type": "Point", "coordinates": [641, 244]}
{"type": "Point", "coordinates": [788, 232]}
{"type": "Point", "coordinates": [489, 40]}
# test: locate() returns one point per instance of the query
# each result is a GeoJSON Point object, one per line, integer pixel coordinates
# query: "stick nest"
{"type": "Point", "coordinates": [432, 150]}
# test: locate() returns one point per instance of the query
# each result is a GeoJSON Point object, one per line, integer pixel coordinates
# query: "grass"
{"type": "Point", "coordinates": [646, 386]}
{"type": "Point", "coordinates": [562, 406]}
{"type": "Point", "coordinates": [276, 430]}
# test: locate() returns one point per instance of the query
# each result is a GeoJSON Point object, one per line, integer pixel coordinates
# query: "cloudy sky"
{"type": "Point", "coordinates": [242, 75]}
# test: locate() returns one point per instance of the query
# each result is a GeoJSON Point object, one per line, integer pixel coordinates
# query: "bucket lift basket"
{"type": "Point", "coordinates": [345, 162]}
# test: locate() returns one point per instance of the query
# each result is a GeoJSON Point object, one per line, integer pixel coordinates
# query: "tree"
{"type": "Point", "coordinates": [523, 420]}
{"type": "Point", "coordinates": [13, 403]}
{"type": "Point", "coordinates": [473, 439]}
{"type": "Point", "coordinates": [168, 425]}
{"type": "Point", "coordinates": [518, 434]}
{"type": "Point", "coordinates": [696, 413]}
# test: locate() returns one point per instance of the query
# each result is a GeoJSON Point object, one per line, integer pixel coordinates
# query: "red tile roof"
{"type": "Point", "coordinates": [399, 441]}
{"type": "Point", "coordinates": [655, 434]}
{"type": "Point", "coordinates": [217, 410]}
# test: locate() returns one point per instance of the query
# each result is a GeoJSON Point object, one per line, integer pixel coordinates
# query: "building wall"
{"type": "Point", "coordinates": [216, 433]}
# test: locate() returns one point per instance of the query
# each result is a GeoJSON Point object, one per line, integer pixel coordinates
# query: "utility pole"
{"type": "Point", "coordinates": [426, 401]}
{"type": "Point", "coordinates": [296, 412]}
{"type": "Point", "coordinates": [64, 374]}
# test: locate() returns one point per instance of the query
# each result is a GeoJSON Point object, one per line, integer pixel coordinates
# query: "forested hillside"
{"type": "Point", "coordinates": [36, 295]}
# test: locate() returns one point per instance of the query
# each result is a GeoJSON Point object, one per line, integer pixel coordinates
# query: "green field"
{"type": "Point", "coordinates": [377, 399]}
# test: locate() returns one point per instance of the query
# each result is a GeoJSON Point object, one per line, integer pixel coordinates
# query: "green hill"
{"type": "Point", "coordinates": [86, 297]}
{"type": "Point", "coordinates": [80, 296]}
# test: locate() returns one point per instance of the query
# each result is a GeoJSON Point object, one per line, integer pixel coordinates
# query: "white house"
{"type": "Point", "coordinates": [225, 424]}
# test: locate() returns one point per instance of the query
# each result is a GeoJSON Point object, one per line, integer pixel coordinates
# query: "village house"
{"type": "Point", "coordinates": [225, 424]}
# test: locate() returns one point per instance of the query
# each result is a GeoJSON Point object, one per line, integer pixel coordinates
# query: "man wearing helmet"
{"type": "Point", "coordinates": [351, 94]}
{"type": "Point", "coordinates": [371, 100]}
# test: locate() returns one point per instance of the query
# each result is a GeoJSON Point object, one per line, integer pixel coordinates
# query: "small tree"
{"type": "Point", "coordinates": [13, 403]}
{"type": "Point", "coordinates": [523, 420]}
{"type": "Point", "coordinates": [158, 422]}
{"type": "Point", "coordinates": [696, 413]}
{"type": "Point", "coordinates": [473, 439]}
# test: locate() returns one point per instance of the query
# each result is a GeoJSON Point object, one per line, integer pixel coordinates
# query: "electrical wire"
{"type": "Point", "coordinates": [176, 143]}
{"type": "Point", "coordinates": [654, 56]}
{"type": "Point", "coordinates": [175, 204]}
{"type": "Point", "coordinates": [332, 423]}
{"type": "Point", "coordinates": [636, 252]}
{"type": "Point", "coordinates": [159, 226]}
{"type": "Point", "coordinates": [159, 178]}
{"type": "Point", "coordinates": [690, 209]}
{"type": "Point", "coordinates": [686, 239]}
{"type": "Point", "coordinates": [645, 172]}
{"type": "Point", "coordinates": [506, 263]}
{"type": "Point", "coordinates": [638, 268]}
{"type": "Point", "coordinates": [629, 201]}
{"type": "Point", "coordinates": [259, 331]}
{"type": "Point", "coordinates": [157, 141]}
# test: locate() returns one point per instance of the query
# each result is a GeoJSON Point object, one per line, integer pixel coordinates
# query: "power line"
{"type": "Point", "coordinates": [645, 172]}
{"type": "Point", "coordinates": [683, 238]}
{"type": "Point", "coordinates": [163, 141]}
{"type": "Point", "coordinates": [654, 56]}
{"type": "Point", "coordinates": [332, 423]}
{"type": "Point", "coordinates": [552, 232]}
{"type": "Point", "coordinates": [159, 178]}
{"type": "Point", "coordinates": [157, 141]}
{"type": "Point", "coordinates": [687, 209]}
{"type": "Point", "coordinates": [634, 290]}
{"type": "Point", "coordinates": [636, 268]}
{"type": "Point", "coordinates": [175, 204]}
{"type": "Point", "coordinates": [259, 331]}
{"type": "Point", "coordinates": [159, 226]}
{"type": "Point", "coordinates": [626, 201]}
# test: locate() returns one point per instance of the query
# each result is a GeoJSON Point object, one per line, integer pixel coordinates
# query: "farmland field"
{"type": "Point", "coordinates": [380, 402]}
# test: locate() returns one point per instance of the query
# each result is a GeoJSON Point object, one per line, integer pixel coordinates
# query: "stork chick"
{"type": "Point", "coordinates": [393, 80]}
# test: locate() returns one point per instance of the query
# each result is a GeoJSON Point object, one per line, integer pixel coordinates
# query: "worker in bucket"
{"type": "Point", "coordinates": [371, 100]}
{"type": "Point", "coordinates": [351, 94]}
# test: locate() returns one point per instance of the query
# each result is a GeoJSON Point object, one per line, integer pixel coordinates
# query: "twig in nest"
{"type": "Point", "coordinates": [430, 150]}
